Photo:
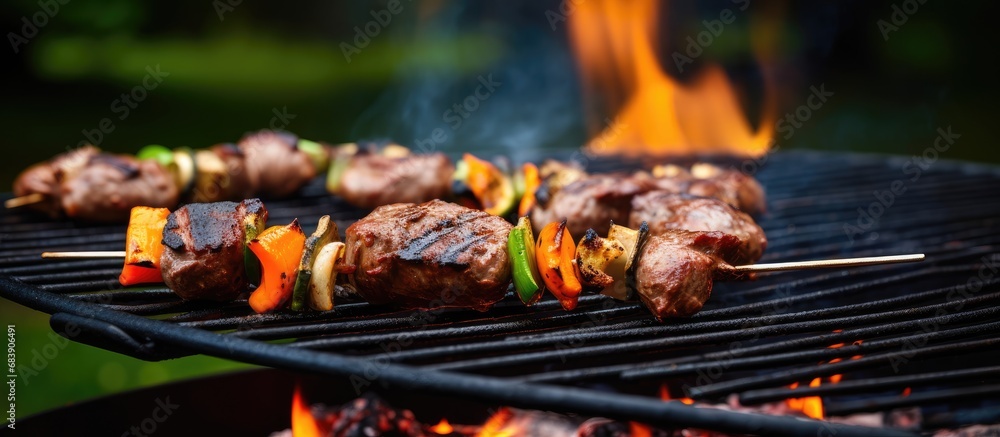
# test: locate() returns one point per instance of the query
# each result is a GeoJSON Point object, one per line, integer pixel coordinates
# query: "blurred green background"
{"type": "Point", "coordinates": [246, 66]}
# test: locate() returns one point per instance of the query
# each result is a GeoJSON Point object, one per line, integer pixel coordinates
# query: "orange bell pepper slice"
{"type": "Point", "coordinates": [555, 255]}
{"type": "Point", "coordinates": [531, 183]}
{"type": "Point", "coordinates": [143, 246]}
{"type": "Point", "coordinates": [279, 249]}
{"type": "Point", "coordinates": [493, 189]}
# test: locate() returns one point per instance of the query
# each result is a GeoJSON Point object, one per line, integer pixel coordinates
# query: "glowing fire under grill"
{"type": "Point", "coordinates": [872, 341]}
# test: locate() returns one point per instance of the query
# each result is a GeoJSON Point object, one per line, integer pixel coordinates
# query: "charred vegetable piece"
{"type": "Point", "coordinates": [316, 152]}
{"type": "Point", "coordinates": [555, 255]}
{"type": "Point", "coordinates": [633, 261]}
{"type": "Point", "coordinates": [531, 183]}
{"type": "Point", "coordinates": [326, 231]}
{"type": "Point", "coordinates": [279, 249]}
{"type": "Point", "coordinates": [493, 189]}
{"type": "Point", "coordinates": [143, 246]}
{"type": "Point", "coordinates": [328, 264]}
{"type": "Point", "coordinates": [184, 169]}
{"type": "Point", "coordinates": [521, 250]}
{"type": "Point", "coordinates": [616, 269]}
{"type": "Point", "coordinates": [340, 160]}
{"type": "Point", "coordinates": [593, 255]}
{"type": "Point", "coordinates": [253, 224]}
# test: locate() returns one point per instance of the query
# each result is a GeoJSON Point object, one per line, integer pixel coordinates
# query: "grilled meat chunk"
{"type": "Point", "coordinates": [676, 270]}
{"type": "Point", "coordinates": [371, 180]}
{"type": "Point", "coordinates": [434, 254]}
{"type": "Point", "coordinates": [593, 202]}
{"type": "Point", "coordinates": [664, 211]}
{"type": "Point", "coordinates": [274, 164]}
{"type": "Point", "coordinates": [706, 180]}
{"type": "Point", "coordinates": [222, 175]}
{"type": "Point", "coordinates": [108, 186]}
{"type": "Point", "coordinates": [46, 178]}
{"type": "Point", "coordinates": [203, 254]}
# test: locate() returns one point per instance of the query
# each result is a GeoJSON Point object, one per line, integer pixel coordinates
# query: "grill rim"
{"type": "Point", "coordinates": [482, 388]}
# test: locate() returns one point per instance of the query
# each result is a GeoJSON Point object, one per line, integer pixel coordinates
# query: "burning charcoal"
{"type": "Point", "coordinates": [971, 431]}
{"type": "Point", "coordinates": [601, 427]}
{"type": "Point", "coordinates": [370, 416]}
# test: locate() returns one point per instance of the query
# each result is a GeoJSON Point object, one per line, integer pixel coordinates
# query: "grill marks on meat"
{"type": "Point", "coordinates": [371, 180]}
{"type": "Point", "coordinates": [435, 254]}
{"type": "Point", "coordinates": [676, 269]}
{"type": "Point", "coordinates": [108, 186]}
{"type": "Point", "coordinates": [592, 203]}
{"type": "Point", "coordinates": [274, 165]}
{"type": "Point", "coordinates": [204, 244]}
{"type": "Point", "coordinates": [664, 212]}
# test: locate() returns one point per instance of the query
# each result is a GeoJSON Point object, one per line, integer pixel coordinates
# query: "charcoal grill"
{"type": "Point", "coordinates": [929, 327]}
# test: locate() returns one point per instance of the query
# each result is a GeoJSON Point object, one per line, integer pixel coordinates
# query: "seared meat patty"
{"type": "Point", "coordinates": [46, 178]}
{"type": "Point", "coordinates": [372, 180]}
{"type": "Point", "coordinates": [203, 254]}
{"type": "Point", "coordinates": [591, 203]}
{"type": "Point", "coordinates": [275, 167]}
{"type": "Point", "coordinates": [676, 270]}
{"type": "Point", "coordinates": [434, 254]}
{"type": "Point", "coordinates": [108, 186]}
{"type": "Point", "coordinates": [664, 211]}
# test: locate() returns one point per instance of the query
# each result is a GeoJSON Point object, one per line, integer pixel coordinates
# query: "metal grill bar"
{"type": "Point", "coordinates": [786, 320]}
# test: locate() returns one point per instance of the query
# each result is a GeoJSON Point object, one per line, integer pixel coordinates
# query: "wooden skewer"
{"type": "Point", "coordinates": [18, 202]}
{"type": "Point", "coordinates": [750, 268]}
{"type": "Point", "coordinates": [829, 263]}
{"type": "Point", "coordinates": [91, 254]}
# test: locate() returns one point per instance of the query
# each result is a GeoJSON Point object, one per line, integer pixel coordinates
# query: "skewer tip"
{"type": "Point", "coordinates": [26, 200]}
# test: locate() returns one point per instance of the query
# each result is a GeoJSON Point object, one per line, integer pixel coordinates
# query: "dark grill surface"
{"type": "Point", "coordinates": [930, 327]}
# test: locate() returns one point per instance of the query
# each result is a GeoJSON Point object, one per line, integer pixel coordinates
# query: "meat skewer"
{"type": "Point", "coordinates": [439, 254]}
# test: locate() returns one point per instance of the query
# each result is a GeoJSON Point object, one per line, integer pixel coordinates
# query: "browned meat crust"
{"type": "Point", "coordinates": [675, 273]}
{"type": "Point", "coordinates": [664, 211]}
{"type": "Point", "coordinates": [730, 186]}
{"type": "Point", "coordinates": [435, 254]}
{"type": "Point", "coordinates": [593, 202]}
{"type": "Point", "coordinates": [203, 254]}
{"type": "Point", "coordinates": [372, 180]}
{"type": "Point", "coordinates": [275, 167]}
{"type": "Point", "coordinates": [46, 178]}
{"type": "Point", "coordinates": [109, 186]}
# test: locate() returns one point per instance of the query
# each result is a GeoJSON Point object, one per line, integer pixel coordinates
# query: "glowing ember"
{"type": "Point", "coordinates": [655, 114]}
{"type": "Point", "coordinates": [304, 424]}
{"type": "Point", "coordinates": [811, 406]}
{"type": "Point", "coordinates": [906, 392]}
{"type": "Point", "coordinates": [637, 429]}
{"type": "Point", "coordinates": [443, 428]}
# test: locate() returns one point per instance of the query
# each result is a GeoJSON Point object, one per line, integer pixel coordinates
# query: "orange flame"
{"type": "Point", "coordinates": [637, 429]}
{"type": "Point", "coordinates": [811, 406]}
{"type": "Point", "coordinates": [496, 425]}
{"type": "Point", "coordinates": [665, 395]}
{"type": "Point", "coordinates": [304, 424]}
{"type": "Point", "coordinates": [656, 114]}
{"type": "Point", "coordinates": [443, 428]}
